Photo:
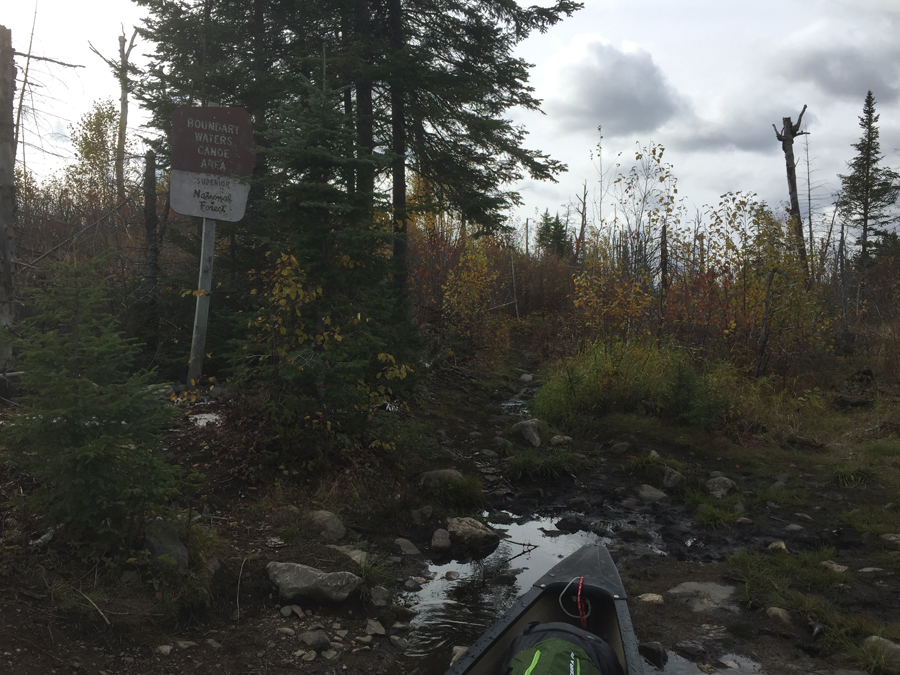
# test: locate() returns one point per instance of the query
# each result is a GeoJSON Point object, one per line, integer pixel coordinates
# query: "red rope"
{"type": "Point", "coordinates": [582, 614]}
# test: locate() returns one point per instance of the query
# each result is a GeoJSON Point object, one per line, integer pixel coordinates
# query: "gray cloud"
{"type": "Point", "coordinates": [625, 92]}
{"type": "Point", "coordinates": [846, 71]}
{"type": "Point", "coordinates": [746, 126]}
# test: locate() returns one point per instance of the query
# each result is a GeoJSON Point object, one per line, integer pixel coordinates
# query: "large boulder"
{"type": "Point", "coordinates": [472, 536]}
{"type": "Point", "coordinates": [301, 581]}
{"type": "Point", "coordinates": [161, 539]}
{"type": "Point", "coordinates": [433, 480]}
{"type": "Point", "coordinates": [719, 486]}
{"type": "Point", "coordinates": [529, 430]}
{"type": "Point", "coordinates": [326, 525]}
{"type": "Point", "coordinates": [890, 651]}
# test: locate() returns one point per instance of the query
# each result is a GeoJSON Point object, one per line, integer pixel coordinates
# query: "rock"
{"type": "Point", "coordinates": [452, 575]}
{"type": "Point", "coordinates": [653, 454]}
{"type": "Point", "coordinates": [398, 642]}
{"type": "Point", "coordinates": [365, 640]}
{"type": "Point", "coordinates": [213, 565]}
{"type": "Point", "coordinates": [691, 650]}
{"type": "Point", "coordinates": [529, 430]}
{"type": "Point", "coordinates": [717, 474]}
{"type": "Point", "coordinates": [374, 627]}
{"type": "Point", "coordinates": [794, 527]}
{"type": "Point", "coordinates": [434, 480]}
{"type": "Point", "coordinates": [706, 596]}
{"type": "Point", "coordinates": [412, 585]}
{"type": "Point", "coordinates": [489, 454]}
{"type": "Point", "coordinates": [212, 644]}
{"type": "Point", "coordinates": [284, 630]}
{"type": "Point", "coordinates": [650, 494]}
{"type": "Point", "coordinates": [833, 566]}
{"type": "Point", "coordinates": [720, 486]}
{"type": "Point", "coordinates": [165, 650]}
{"type": "Point", "coordinates": [357, 556]}
{"type": "Point", "coordinates": [577, 502]}
{"type": "Point", "coordinates": [458, 651]}
{"type": "Point", "coordinates": [161, 539]}
{"type": "Point", "coordinates": [891, 540]}
{"type": "Point", "coordinates": [671, 479]}
{"type": "Point", "coordinates": [440, 540]}
{"type": "Point", "coordinates": [890, 651]}
{"type": "Point", "coordinates": [186, 644]}
{"type": "Point", "coordinates": [778, 485]}
{"type": "Point", "coordinates": [744, 521]}
{"type": "Point", "coordinates": [471, 534]}
{"type": "Point", "coordinates": [777, 546]}
{"type": "Point", "coordinates": [400, 627]}
{"type": "Point", "coordinates": [316, 640]}
{"type": "Point", "coordinates": [739, 507]}
{"type": "Point", "coordinates": [310, 655]}
{"type": "Point", "coordinates": [406, 546]}
{"type": "Point", "coordinates": [780, 615]}
{"type": "Point", "coordinates": [326, 525]}
{"type": "Point", "coordinates": [805, 516]}
{"type": "Point", "coordinates": [870, 570]}
{"type": "Point", "coordinates": [526, 377]}
{"type": "Point", "coordinates": [421, 516]}
{"type": "Point", "coordinates": [651, 598]}
{"type": "Point", "coordinates": [620, 448]}
{"type": "Point", "coordinates": [380, 596]}
{"type": "Point", "coordinates": [295, 580]}
{"type": "Point", "coordinates": [559, 439]}
{"type": "Point", "coordinates": [329, 654]}
{"type": "Point", "coordinates": [655, 653]}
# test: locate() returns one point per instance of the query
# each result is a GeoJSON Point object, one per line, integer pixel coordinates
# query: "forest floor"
{"type": "Point", "coordinates": [58, 615]}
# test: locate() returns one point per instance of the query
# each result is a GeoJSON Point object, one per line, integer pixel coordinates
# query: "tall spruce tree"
{"type": "Point", "coordinates": [870, 190]}
{"type": "Point", "coordinates": [553, 237]}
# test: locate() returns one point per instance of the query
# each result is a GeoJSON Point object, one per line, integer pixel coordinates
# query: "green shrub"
{"type": "Point", "coordinates": [637, 377]}
{"type": "Point", "coordinates": [87, 428]}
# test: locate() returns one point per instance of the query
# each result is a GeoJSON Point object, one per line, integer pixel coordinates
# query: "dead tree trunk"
{"type": "Point", "coordinates": [7, 190]}
{"type": "Point", "coordinates": [787, 134]}
{"type": "Point", "coordinates": [582, 212]}
{"type": "Point", "coordinates": [120, 70]}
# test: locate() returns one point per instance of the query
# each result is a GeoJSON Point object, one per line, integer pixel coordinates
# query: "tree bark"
{"type": "Point", "coordinates": [7, 191]}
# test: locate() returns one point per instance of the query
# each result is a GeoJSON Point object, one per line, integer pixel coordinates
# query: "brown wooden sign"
{"type": "Point", "coordinates": [215, 141]}
{"type": "Point", "coordinates": [212, 148]}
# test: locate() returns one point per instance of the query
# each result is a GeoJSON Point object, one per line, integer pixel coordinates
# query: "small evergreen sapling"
{"type": "Point", "coordinates": [86, 426]}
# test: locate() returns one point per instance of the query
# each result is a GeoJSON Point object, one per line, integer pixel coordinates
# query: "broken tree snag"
{"type": "Point", "coordinates": [787, 134]}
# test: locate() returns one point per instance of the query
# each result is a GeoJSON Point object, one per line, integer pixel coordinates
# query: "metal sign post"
{"type": "Point", "coordinates": [211, 148]}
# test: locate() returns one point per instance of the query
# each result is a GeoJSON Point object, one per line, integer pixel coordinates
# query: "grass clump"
{"type": "Point", "coordinates": [852, 476]}
{"type": "Point", "coordinates": [713, 512]}
{"type": "Point", "coordinates": [883, 448]}
{"type": "Point", "coordinates": [715, 517]}
{"type": "Point", "coordinates": [546, 463]}
{"type": "Point", "coordinates": [873, 519]}
{"type": "Point", "coordinates": [769, 580]}
{"type": "Point", "coordinates": [459, 495]}
{"type": "Point", "coordinates": [651, 467]}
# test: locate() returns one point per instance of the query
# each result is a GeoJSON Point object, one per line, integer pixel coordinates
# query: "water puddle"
{"type": "Point", "coordinates": [456, 611]}
{"type": "Point", "coordinates": [459, 601]}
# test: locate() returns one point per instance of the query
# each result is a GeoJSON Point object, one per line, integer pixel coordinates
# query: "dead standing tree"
{"type": "Point", "coordinates": [787, 135]}
{"type": "Point", "coordinates": [7, 189]}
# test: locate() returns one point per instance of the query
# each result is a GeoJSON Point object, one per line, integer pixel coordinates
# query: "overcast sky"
{"type": "Point", "coordinates": [705, 78]}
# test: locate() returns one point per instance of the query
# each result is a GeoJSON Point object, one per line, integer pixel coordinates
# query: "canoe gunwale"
{"type": "Point", "coordinates": [601, 584]}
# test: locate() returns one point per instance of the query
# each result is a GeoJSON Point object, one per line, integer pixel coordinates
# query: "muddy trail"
{"type": "Point", "coordinates": [671, 509]}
